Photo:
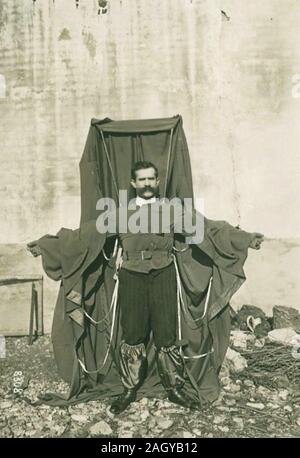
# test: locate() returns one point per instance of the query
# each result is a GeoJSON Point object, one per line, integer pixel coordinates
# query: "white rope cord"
{"type": "Point", "coordinates": [179, 317]}
{"type": "Point", "coordinates": [181, 302]}
{"type": "Point", "coordinates": [114, 252]}
{"type": "Point", "coordinates": [113, 307]}
{"type": "Point", "coordinates": [199, 356]}
{"type": "Point", "coordinates": [180, 251]}
{"type": "Point", "coordinates": [207, 298]}
{"type": "Point", "coordinates": [109, 345]}
{"type": "Point", "coordinates": [179, 290]}
{"type": "Point", "coordinates": [114, 298]}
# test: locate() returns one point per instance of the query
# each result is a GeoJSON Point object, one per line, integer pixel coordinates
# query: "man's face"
{"type": "Point", "coordinates": [145, 183]}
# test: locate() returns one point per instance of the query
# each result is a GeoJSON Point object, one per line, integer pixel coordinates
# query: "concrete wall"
{"type": "Point", "coordinates": [230, 75]}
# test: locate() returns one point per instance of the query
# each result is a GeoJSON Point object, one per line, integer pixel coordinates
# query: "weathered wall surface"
{"type": "Point", "coordinates": [229, 75]}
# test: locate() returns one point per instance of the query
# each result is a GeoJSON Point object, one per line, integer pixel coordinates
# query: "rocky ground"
{"type": "Point", "coordinates": [246, 407]}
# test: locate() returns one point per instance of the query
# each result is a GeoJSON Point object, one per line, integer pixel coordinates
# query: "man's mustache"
{"type": "Point", "coordinates": [147, 188]}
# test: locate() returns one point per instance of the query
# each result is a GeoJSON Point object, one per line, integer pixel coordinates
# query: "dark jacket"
{"type": "Point", "coordinates": [152, 246]}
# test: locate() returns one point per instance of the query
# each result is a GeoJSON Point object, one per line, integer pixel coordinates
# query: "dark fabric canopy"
{"type": "Point", "coordinates": [111, 149]}
{"type": "Point", "coordinates": [210, 273]}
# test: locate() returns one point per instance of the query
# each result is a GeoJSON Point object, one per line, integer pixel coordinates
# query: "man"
{"type": "Point", "coordinates": [148, 301]}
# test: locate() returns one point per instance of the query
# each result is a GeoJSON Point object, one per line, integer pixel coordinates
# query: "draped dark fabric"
{"type": "Point", "coordinates": [85, 350]}
{"type": "Point", "coordinates": [126, 142]}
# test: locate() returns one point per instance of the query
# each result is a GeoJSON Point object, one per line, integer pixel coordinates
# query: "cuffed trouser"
{"type": "Point", "coordinates": [133, 365]}
{"type": "Point", "coordinates": [148, 301]}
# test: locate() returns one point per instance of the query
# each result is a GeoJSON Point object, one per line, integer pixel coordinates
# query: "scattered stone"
{"type": "Point", "coordinates": [126, 424]}
{"type": "Point", "coordinates": [143, 401]}
{"type": "Point", "coordinates": [273, 406]}
{"type": "Point", "coordinates": [125, 434]}
{"type": "Point", "coordinates": [239, 339]}
{"type": "Point", "coordinates": [19, 419]}
{"type": "Point", "coordinates": [256, 405]}
{"type": "Point", "coordinates": [3, 422]}
{"type": "Point", "coordinates": [100, 429]}
{"type": "Point", "coordinates": [223, 408]}
{"type": "Point", "coordinates": [232, 389]}
{"type": "Point", "coordinates": [6, 432]}
{"type": "Point", "coordinates": [236, 362]}
{"type": "Point", "coordinates": [224, 429]}
{"type": "Point", "coordinates": [164, 423]}
{"type": "Point", "coordinates": [235, 388]}
{"type": "Point", "coordinates": [219, 419]}
{"type": "Point", "coordinates": [6, 405]}
{"type": "Point", "coordinates": [151, 424]}
{"type": "Point", "coordinates": [239, 422]}
{"type": "Point", "coordinates": [260, 343]}
{"type": "Point", "coordinates": [144, 415]}
{"type": "Point", "coordinates": [263, 391]}
{"type": "Point", "coordinates": [283, 394]}
{"type": "Point", "coordinates": [286, 317]}
{"type": "Point", "coordinates": [281, 381]}
{"type": "Point", "coordinates": [230, 402]}
{"type": "Point", "coordinates": [225, 381]}
{"type": "Point", "coordinates": [79, 418]}
{"type": "Point", "coordinates": [187, 434]}
{"type": "Point", "coordinates": [295, 432]}
{"type": "Point", "coordinates": [284, 336]}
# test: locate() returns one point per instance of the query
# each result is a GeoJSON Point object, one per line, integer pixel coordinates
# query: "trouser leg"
{"type": "Point", "coordinates": [133, 371]}
{"type": "Point", "coordinates": [133, 303]}
{"type": "Point", "coordinates": [163, 306]}
{"type": "Point", "coordinates": [135, 327]}
{"type": "Point", "coordinates": [133, 365]}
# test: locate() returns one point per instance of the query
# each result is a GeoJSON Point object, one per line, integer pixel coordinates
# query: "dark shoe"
{"type": "Point", "coordinates": [123, 401]}
{"type": "Point", "coordinates": [179, 397]}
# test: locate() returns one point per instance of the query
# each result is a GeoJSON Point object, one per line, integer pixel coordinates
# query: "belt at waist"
{"type": "Point", "coordinates": [145, 255]}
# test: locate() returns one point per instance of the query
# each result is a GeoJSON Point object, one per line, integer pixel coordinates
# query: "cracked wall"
{"type": "Point", "coordinates": [227, 69]}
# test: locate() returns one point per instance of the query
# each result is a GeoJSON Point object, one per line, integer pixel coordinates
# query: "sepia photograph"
{"type": "Point", "coordinates": [149, 222]}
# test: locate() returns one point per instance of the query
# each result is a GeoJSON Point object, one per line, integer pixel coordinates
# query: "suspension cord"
{"type": "Point", "coordinates": [168, 163]}
{"type": "Point", "coordinates": [110, 166]}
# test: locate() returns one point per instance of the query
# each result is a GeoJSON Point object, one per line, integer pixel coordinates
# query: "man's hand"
{"type": "Point", "coordinates": [256, 240]}
{"type": "Point", "coordinates": [34, 248]}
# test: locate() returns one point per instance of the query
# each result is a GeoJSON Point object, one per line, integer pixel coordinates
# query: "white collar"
{"type": "Point", "coordinates": [140, 201]}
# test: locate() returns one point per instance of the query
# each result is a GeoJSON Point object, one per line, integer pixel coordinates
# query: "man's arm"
{"type": "Point", "coordinates": [48, 247]}
{"type": "Point", "coordinates": [256, 240]}
{"type": "Point", "coordinates": [224, 237]}
{"type": "Point", "coordinates": [34, 248]}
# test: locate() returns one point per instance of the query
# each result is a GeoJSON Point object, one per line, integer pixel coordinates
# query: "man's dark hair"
{"type": "Point", "coordinates": [142, 165]}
